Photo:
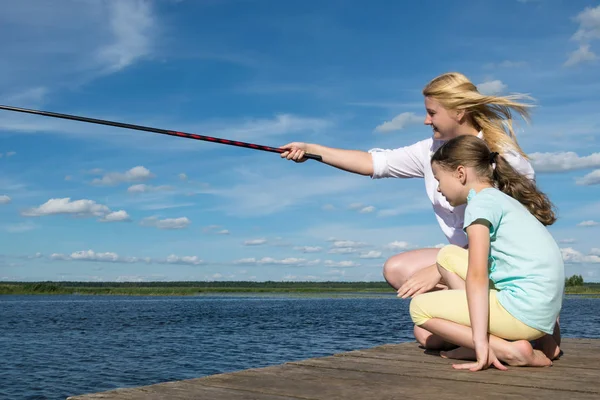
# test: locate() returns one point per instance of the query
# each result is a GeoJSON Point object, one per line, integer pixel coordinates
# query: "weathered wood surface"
{"type": "Point", "coordinates": [395, 371]}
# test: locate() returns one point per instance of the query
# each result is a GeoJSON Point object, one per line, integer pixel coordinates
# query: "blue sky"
{"type": "Point", "coordinates": [88, 202]}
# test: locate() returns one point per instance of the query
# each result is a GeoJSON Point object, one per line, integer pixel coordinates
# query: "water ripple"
{"type": "Point", "coordinates": [58, 346]}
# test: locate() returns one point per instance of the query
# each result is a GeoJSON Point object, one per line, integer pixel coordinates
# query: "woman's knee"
{"type": "Point", "coordinates": [399, 268]}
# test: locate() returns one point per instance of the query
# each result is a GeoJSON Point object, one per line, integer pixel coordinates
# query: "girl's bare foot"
{"type": "Point", "coordinates": [461, 353]}
{"type": "Point", "coordinates": [522, 354]}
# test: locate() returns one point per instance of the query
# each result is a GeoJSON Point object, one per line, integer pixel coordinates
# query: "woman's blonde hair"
{"type": "Point", "coordinates": [490, 114]}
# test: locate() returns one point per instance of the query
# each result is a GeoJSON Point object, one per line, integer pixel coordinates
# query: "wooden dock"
{"type": "Point", "coordinates": [395, 371]}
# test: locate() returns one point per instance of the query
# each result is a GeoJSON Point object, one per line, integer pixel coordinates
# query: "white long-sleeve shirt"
{"type": "Point", "coordinates": [414, 161]}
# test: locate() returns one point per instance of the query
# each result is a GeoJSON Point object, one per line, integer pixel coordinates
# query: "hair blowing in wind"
{"type": "Point", "coordinates": [470, 151]}
{"type": "Point", "coordinates": [491, 114]}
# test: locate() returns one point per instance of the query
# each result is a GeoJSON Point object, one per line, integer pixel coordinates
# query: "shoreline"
{"type": "Point", "coordinates": [313, 289]}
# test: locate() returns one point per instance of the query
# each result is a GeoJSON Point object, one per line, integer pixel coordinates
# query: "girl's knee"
{"type": "Point", "coordinates": [418, 309]}
{"type": "Point", "coordinates": [446, 257]}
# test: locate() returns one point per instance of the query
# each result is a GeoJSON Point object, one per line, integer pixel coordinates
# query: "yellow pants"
{"type": "Point", "coordinates": [452, 304]}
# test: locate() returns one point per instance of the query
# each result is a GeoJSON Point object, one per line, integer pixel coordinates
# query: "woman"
{"type": "Point", "coordinates": [453, 107]}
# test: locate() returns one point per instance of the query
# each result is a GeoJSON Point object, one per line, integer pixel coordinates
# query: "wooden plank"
{"type": "Point", "coordinates": [387, 372]}
{"type": "Point", "coordinates": [575, 356]}
{"type": "Point", "coordinates": [548, 378]}
{"type": "Point", "coordinates": [180, 390]}
{"type": "Point", "coordinates": [311, 383]}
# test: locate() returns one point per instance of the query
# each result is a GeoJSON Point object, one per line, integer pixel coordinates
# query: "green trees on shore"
{"type": "Point", "coordinates": [575, 280]}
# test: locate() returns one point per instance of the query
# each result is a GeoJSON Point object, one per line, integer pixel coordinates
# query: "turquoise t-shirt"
{"type": "Point", "coordinates": [525, 262]}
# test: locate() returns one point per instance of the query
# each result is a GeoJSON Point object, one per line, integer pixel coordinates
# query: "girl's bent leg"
{"type": "Point", "coordinates": [518, 353]}
{"type": "Point", "coordinates": [431, 341]}
{"type": "Point", "coordinates": [399, 268]}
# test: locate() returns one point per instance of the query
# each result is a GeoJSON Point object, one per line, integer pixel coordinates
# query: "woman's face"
{"type": "Point", "coordinates": [445, 123]}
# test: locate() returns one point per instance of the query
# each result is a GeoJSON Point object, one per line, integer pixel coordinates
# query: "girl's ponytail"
{"type": "Point", "coordinates": [518, 186]}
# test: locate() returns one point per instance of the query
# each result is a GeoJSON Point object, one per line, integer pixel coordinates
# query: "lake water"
{"type": "Point", "coordinates": [52, 347]}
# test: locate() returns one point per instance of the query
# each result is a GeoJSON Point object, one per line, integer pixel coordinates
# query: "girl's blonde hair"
{"type": "Point", "coordinates": [470, 151]}
{"type": "Point", "coordinates": [490, 114]}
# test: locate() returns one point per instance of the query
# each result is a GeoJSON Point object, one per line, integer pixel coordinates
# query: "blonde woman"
{"type": "Point", "coordinates": [453, 107]}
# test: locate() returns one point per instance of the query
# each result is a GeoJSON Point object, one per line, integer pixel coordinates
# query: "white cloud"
{"type": "Point", "coordinates": [80, 208]}
{"type": "Point", "coordinates": [168, 223]}
{"type": "Point", "coordinates": [347, 243]}
{"type": "Point", "coordinates": [4, 199]}
{"type": "Point", "coordinates": [132, 25]}
{"type": "Point", "coordinates": [116, 216]}
{"type": "Point", "coordinates": [371, 254]}
{"type": "Point", "coordinates": [582, 54]}
{"type": "Point", "coordinates": [20, 227]}
{"type": "Point", "coordinates": [183, 177]}
{"type": "Point", "coordinates": [355, 206]}
{"type": "Point", "coordinates": [572, 256]}
{"type": "Point", "coordinates": [273, 261]}
{"type": "Point", "coordinates": [58, 256]}
{"type": "Point", "coordinates": [90, 255]}
{"type": "Point", "coordinates": [143, 188]}
{"type": "Point", "coordinates": [588, 30]}
{"type": "Point", "coordinates": [588, 223]}
{"type": "Point", "coordinates": [567, 241]}
{"type": "Point", "coordinates": [255, 242]}
{"type": "Point", "coordinates": [131, 278]}
{"type": "Point", "coordinates": [491, 87]}
{"type": "Point", "coordinates": [367, 210]}
{"type": "Point", "coordinates": [340, 264]}
{"type": "Point", "coordinates": [595, 252]}
{"type": "Point", "coordinates": [185, 260]}
{"type": "Point", "coordinates": [593, 178]}
{"type": "Point", "coordinates": [111, 257]}
{"type": "Point", "coordinates": [259, 196]}
{"type": "Point", "coordinates": [223, 232]}
{"type": "Point", "coordinates": [138, 173]}
{"type": "Point", "coordinates": [308, 249]}
{"type": "Point", "coordinates": [589, 24]}
{"type": "Point", "coordinates": [281, 124]}
{"type": "Point", "coordinates": [399, 122]}
{"type": "Point", "coordinates": [563, 161]}
{"type": "Point", "coordinates": [342, 250]}
{"type": "Point", "coordinates": [76, 41]}
{"type": "Point", "coordinates": [397, 245]}
{"type": "Point", "coordinates": [507, 64]}
{"type": "Point", "coordinates": [440, 245]}
{"type": "Point", "coordinates": [328, 207]}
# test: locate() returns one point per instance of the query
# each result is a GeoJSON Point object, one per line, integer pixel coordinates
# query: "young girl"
{"type": "Point", "coordinates": [510, 250]}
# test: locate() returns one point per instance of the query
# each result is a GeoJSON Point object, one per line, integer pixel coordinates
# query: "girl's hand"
{"type": "Point", "coordinates": [485, 359]}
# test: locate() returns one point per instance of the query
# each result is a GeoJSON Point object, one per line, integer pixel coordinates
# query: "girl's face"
{"type": "Point", "coordinates": [445, 123]}
{"type": "Point", "coordinates": [451, 184]}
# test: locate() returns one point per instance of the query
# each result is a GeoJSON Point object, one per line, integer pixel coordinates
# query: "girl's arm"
{"type": "Point", "coordinates": [477, 286]}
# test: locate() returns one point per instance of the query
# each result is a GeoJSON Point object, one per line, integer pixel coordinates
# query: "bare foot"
{"type": "Point", "coordinates": [522, 354]}
{"type": "Point", "coordinates": [547, 345]}
{"type": "Point", "coordinates": [462, 353]}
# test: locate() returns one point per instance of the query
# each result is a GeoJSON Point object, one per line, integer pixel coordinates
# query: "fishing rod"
{"type": "Point", "coordinates": [156, 130]}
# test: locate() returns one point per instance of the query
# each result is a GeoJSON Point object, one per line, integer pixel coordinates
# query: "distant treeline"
{"type": "Point", "coordinates": [187, 287]}
{"type": "Point", "coordinates": [184, 288]}
{"type": "Point", "coordinates": [213, 284]}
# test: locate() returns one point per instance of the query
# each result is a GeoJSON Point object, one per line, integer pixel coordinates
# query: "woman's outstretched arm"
{"type": "Point", "coordinates": [355, 161]}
